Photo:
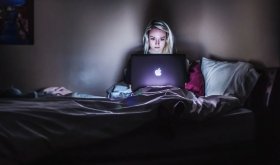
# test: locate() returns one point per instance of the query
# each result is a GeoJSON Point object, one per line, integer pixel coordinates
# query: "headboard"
{"type": "Point", "coordinates": [263, 97]}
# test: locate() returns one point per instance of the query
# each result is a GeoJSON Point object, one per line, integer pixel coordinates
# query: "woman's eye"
{"type": "Point", "coordinates": [152, 39]}
{"type": "Point", "coordinates": [162, 39]}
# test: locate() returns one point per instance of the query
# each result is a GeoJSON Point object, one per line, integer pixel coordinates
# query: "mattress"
{"type": "Point", "coordinates": [98, 130]}
{"type": "Point", "coordinates": [226, 139]}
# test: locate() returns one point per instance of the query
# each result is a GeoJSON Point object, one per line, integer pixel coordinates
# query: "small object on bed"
{"type": "Point", "coordinates": [195, 82]}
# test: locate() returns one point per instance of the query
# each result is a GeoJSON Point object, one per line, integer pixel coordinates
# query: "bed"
{"type": "Point", "coordinates": [154, 125]}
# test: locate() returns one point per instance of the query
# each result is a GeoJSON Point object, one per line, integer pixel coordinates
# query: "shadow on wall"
{"type": "Point", "coordinates": [193, 51]}
{"type": "Point", "coordinates": [156, 9]}
{"type": "Point", "coordinates": [257, 64]}
{"type": "Point", "coordinates": [125, 63]}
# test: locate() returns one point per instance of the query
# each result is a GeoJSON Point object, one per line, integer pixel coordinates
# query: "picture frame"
{"type": "Point", "coordinates": [16, 22]}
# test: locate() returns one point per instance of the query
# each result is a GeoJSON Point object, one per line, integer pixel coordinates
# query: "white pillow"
{"type": "Point", "coordinates": [228, 78]}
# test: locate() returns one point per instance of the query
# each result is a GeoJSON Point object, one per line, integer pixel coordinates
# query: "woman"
{"type": "Point", "coordinates": [158, 38]}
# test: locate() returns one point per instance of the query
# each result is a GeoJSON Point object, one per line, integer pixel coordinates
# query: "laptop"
{"type": "Point", "coordinates": [158, 70]}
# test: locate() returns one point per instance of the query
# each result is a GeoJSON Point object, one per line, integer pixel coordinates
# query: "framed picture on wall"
{"type": "Point", "coordinates": [16, 22]}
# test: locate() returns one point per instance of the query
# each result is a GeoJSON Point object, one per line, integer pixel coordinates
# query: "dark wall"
{"type": "Point", "coordinates": [82, 44]}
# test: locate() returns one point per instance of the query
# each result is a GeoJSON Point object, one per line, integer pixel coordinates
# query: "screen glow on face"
{"type": "Point", "coordinates": [157, 40]}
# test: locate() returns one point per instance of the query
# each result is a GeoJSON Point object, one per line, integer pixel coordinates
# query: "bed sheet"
{"type": "Point", "coordinates": [31, 129]}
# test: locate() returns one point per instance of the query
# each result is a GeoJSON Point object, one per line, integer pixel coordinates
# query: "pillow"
{"type": "Point", "coordinates": [196, 80]}
{"type": "Point", "coordinates": [228, 78]}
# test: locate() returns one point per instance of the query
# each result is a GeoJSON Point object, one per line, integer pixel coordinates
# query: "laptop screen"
{"type": "Point", "coordinates": [158, 70]}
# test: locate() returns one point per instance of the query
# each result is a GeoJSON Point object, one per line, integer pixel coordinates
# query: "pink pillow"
{"type": "Point", "coordinates": [195, 83]}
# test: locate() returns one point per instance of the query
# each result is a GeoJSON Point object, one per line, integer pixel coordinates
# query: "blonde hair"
{"type": "Point", "coordinates": [161, 25]}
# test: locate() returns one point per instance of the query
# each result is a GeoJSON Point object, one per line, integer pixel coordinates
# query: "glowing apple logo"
{"type": "Point", "coordinates": [158, 72]}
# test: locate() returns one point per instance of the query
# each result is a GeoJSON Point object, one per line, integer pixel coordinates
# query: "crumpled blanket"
{"type": "Point", "coordinates": [190, 106]}
{"type": "Point", "coordinates": [33, 128]}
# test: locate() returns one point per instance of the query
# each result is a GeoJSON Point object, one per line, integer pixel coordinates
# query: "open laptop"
{"type": "Point", "coordinates": [158, 70]}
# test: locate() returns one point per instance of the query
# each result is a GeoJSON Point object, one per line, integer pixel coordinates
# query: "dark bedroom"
{"type": "Point", "coordinates": [74, 85]}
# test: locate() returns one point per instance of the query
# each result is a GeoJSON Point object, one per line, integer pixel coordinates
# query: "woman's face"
{"type": "Point", "coordinates": [157, 41]}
